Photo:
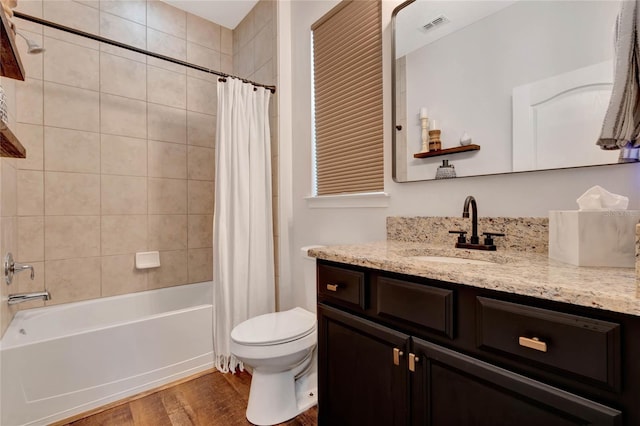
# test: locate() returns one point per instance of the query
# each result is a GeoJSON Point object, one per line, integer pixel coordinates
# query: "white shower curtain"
{"type": "Point", "coordinates": [243, 276]}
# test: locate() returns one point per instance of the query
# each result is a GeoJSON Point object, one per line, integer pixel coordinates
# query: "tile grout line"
{"type": "Point", "coordinates": [100, 76]}
{"type": "Point", "coordinates": [148, 272]}
{"type": "Point", "coordinates": [44, 214]}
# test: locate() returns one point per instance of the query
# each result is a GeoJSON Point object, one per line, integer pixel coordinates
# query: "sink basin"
{"type": "Point", "coordinates": [448, 259]}
{"type": "Point", "coordinates": [453, 255]}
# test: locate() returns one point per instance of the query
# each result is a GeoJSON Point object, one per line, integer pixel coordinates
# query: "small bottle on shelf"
{"type": "Point", "coordinates": [434, 137]}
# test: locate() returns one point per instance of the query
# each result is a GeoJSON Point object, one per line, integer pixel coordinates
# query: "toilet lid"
{"type": "Point", "coordinates": [274, 328]}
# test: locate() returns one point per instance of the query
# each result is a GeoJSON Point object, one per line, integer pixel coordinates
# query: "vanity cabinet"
{"type": "Point", "coordinates": [364, 375]}
{"type": "Point", "coordinates": [415, 351]}
{"type": "Point", "coordinates": [450, 388]}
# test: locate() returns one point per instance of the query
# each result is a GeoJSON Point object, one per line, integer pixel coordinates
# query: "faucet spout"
{"type": "Point", "coordinates": [475, 239]}
{"type": "Point", "coordinates": [25, 297]}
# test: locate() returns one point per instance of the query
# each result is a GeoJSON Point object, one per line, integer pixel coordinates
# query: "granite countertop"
{"type": "Point", "coordinates": [524, 273]}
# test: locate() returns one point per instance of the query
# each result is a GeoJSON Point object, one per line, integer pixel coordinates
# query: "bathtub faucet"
{"type": "Point", "coordinates": [25, 297]}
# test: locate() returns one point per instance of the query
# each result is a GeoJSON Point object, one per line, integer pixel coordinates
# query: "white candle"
{"type": "Point", "coordinates": [433, 125]}
{"type": "Point", "coordinates": [423, 112]}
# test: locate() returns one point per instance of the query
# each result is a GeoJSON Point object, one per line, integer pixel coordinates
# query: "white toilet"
{"type": "Point", "coordinates": [280, 347]}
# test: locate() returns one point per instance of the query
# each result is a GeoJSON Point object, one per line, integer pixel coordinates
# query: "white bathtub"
{"type": "Point", "coordinates": [62, 360]}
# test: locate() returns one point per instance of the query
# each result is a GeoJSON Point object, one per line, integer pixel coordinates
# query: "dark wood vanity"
{"type": "Point", "coordinates": [396, 349]}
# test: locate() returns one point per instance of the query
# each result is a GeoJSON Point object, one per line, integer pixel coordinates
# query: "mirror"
{"type": "Point", "coordinates": [525, 84]}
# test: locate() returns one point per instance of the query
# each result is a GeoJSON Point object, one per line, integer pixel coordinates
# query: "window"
{"type": "Point", "coordinates": [347, 67]}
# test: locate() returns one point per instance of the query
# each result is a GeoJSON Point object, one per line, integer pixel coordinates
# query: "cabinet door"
{"type": "Point", "coordinates": [362, 371]}
{"type": "Point", "coordinates": [449, 388]}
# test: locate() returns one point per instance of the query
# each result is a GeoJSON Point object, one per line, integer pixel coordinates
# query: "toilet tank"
{"type": "Point", "coordinates": [309, 276]}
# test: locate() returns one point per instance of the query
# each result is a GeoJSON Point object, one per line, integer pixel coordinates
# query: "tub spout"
{"type": "Point", "coordinates": [25, 297]}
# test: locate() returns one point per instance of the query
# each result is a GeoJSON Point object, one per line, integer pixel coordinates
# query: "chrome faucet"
{"type": "Point", "coordinates": [25, 297]}
{"type": "Point", "coordinates": [474, 218]}
{"type": "Point", "coordinates": [474, 241]}
{"type": "Point", "coordinates": [11, 267]}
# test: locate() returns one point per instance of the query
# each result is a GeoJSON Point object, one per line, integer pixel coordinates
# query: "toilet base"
{"type": "Point", "coordinates": [307, 391]}
{"type": "Point", "coordinates": [277, 397]}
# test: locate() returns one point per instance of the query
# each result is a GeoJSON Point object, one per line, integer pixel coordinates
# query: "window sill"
{"type": "Point", "coordinates": [348, 201]}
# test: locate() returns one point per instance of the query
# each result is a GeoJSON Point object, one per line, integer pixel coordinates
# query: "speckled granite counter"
{"type": "Point", "coordinates": [521, 233]}
{"type": "Point", "coordinates": [525, 273]}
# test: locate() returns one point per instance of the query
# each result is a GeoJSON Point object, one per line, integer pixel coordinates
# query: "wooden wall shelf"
{"type": "Point", "coordinates": [10, 146]}
{"type": "Point", "coordinates": [447, 151]}
{"type": "Point", "coordinates": [10, 63]}
{"type": "Point", "coordinates": [10, 67]}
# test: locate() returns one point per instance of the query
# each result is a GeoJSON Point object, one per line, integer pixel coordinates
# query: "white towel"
{"type": "Point", "coordinates": [621, 126]}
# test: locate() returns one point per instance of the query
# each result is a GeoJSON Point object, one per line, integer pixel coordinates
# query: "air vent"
{"type": "Point", "coordinates": [435, 22]}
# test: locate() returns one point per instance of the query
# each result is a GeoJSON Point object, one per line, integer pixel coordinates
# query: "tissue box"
{"type": "Point", "coordinates": [593, 238]}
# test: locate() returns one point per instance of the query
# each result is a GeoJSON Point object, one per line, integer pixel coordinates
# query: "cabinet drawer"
{"type": "Point", "coordinates": [341, 285]}
{"type": "Point", "coordinates": [415, 305]}
{"type": "Point", "coordinates": [583, 346]}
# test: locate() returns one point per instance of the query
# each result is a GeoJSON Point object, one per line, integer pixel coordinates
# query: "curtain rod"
{"type": "Point", "coordinates": [135, 49]}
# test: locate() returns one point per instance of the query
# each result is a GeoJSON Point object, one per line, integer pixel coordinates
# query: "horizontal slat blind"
{"type": "Point", "coordinates": [347, 58]}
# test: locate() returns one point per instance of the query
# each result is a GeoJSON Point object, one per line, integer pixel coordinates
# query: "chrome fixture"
{"type": "Point", "coordinates": [26, 297]}
{"type": "Point", "coordinates": [11, 268]}
{"type": "Point", "coordinates": [474, 241]}
{"type": "Point", "coordinates": [33, 48]}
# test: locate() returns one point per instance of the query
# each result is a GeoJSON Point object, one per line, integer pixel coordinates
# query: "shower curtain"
{"type": "Point", "coordinates": [243, 276]}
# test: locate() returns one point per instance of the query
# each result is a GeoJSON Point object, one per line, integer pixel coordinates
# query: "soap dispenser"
{"type": "Point", "coordinates": [446, 171]}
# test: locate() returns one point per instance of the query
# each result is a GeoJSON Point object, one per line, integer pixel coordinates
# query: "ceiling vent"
{"type": "Point", "coordinates": [441, 19]}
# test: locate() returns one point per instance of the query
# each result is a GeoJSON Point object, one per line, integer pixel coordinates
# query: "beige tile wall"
{"type": "Point", "coordinates": [9, 224]}
{"type": "Point", "coordinates": [121, 146]}
{"type": "Point", "coordinates": [255, 58]}
{"type": "Point", "coordinates": [120, 150]}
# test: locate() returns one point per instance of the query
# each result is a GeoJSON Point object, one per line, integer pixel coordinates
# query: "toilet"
{"type": "Point", "coordinates": [280, 348]}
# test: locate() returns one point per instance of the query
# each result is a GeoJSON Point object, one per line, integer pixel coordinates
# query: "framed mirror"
{"type": "Point", "coordinates": [511, 86]}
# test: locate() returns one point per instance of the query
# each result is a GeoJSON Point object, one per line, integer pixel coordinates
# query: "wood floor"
{"type": "Point", "coordinates": [214, 399]}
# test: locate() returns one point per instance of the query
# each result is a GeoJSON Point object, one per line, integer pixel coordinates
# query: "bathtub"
{"type": "Point", "coordinates": [62, 360]}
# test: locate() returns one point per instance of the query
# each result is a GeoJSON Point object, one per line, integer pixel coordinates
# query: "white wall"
{"type": "Point", "coordinates": [521, 194]}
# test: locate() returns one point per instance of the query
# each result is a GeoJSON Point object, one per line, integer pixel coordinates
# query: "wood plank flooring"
{"type": "Point", "coordinates": [213, 399]}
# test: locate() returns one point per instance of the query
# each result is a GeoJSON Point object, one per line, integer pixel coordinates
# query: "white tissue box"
{"type": "Point", "coordinates": [593, 238]}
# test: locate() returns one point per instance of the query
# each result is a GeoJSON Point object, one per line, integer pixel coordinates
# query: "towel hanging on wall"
{"type": "Point", "coordinates": [621, 126]}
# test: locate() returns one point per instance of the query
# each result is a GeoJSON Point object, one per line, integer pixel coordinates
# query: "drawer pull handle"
{"type": "Point", "coordinates": [397, 353]}
{"type": "Point", "coordinates": [412, 362]}
{"type": "Point", "coordinates": [533, 343]}
{"type": "Point", "coordinates": [333, 287]}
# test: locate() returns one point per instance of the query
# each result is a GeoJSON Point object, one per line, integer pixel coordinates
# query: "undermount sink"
{"type": "Point", "coordinates": [448, 259]}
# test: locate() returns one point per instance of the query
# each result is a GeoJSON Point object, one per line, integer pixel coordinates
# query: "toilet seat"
{"type": "Point", "coordinates": [274, 328]}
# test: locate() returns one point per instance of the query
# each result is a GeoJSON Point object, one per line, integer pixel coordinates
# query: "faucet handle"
{"type": "Point", "coordinates": [12, 267]}
{"type": "Point", "coordinates": [488, 239]}
{"type": "Point", "coordinates": [461, 236]}
{"type": "Point", "coordinates": [18, 267]}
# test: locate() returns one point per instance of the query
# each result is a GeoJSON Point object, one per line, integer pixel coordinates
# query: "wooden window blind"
{"type": "Point", "coordinates": [347, 64]}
